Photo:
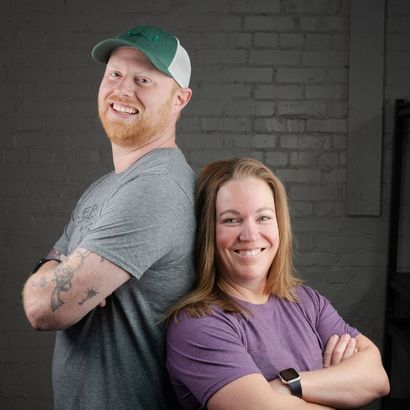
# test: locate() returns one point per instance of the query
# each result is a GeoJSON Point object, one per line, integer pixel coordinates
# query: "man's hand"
{"type": "Point", "coordinates": [339, 349]}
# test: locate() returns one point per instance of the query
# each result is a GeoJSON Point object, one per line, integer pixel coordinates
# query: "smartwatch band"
{"type": "Point", "coordinates": [295, 387]}
{"type": "Point", "coordinates": [41, 262]}
{"type": "Point", "coordinates": [292, 378]}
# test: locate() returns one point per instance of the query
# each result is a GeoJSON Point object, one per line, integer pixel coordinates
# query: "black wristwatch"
{"type": "Point", "coordinates": [292, 378]}
{"type": "Point", "coordinates": [41, 262]}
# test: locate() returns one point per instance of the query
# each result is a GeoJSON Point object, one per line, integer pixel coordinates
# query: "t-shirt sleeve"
{"type": "Point", "coordinates": [204, 354]}
{"type": "Point", "coordinates": [137, 225]}
{"type": "Point", "coordinates": [63, 242]}
{"type": "Point", "coordinates": [323, 316]}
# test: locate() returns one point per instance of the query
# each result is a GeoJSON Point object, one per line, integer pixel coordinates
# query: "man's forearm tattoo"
{"type": "Point", "coordinates": [89, 294]}
{"type": "Point", "coordinates": [63, 274]}
{"type": "Point", "coordinates": [41, 283]}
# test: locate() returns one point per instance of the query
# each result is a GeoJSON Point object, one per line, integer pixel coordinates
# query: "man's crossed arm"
{"type": "Point", "coordinates": [60, 294]}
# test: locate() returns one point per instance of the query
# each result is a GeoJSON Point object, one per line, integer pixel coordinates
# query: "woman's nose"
{"type": "Point", "coordinates": [249, 232]}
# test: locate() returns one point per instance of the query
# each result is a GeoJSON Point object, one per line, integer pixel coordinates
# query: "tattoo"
{"type": "Point", "coordinates": [41, 283]}
{"type": "Point", "coordinates": [55, 254]}
{"type": "Point", "coordinates": [89, 294]}
{"type": "Point", "coordinates": [63, 274]}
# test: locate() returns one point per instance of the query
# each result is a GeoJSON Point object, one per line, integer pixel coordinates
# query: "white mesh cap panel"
{"type": "Point", "coordinates": [180, 67]}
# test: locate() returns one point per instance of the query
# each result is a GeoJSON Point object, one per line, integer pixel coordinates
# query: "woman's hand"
{"type": "Point", "coordinates": [339, 349]}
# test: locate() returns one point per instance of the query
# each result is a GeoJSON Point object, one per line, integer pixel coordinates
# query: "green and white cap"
{"type": "Point", "coordinates": [160, 47]}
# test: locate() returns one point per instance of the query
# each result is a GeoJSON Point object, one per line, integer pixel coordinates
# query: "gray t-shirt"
{"type": "Point", "coordinates": [143, 221]}
{"type": "Point", "coordinates": [204, 354]}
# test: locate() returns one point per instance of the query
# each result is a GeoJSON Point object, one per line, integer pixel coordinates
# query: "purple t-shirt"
{"type": "Point", "coordinates": [206, 353]}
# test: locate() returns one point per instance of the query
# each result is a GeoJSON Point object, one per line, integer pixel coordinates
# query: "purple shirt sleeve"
{"type": "Point", "coordinates": [204, 354]}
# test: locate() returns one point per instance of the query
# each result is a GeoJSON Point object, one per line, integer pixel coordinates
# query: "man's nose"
{"type": "Point", "coordinates": [125, 87]}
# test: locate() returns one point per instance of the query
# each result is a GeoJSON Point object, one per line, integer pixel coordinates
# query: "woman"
{"type": "Point", "coordinates": [251, 336]}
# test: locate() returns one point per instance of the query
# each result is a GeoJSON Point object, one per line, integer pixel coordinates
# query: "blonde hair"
{"type": "Point", "coordinates": [280, 281]}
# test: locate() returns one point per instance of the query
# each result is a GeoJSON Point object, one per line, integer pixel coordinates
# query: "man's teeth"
{"type": "Point", "coordinates": [252, 252]}
{"type": "Point", "coordinates": [122, 108]}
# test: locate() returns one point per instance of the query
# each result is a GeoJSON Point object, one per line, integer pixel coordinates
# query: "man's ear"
{"type": "Point", "coordinates": [182, 97]}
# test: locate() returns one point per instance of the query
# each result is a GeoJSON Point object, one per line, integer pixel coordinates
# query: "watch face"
{"type": "Point", "coordinates": [289, 374]}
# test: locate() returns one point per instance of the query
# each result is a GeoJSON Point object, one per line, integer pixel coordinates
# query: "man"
{"type": "Point", "coordinates": [125, 256]}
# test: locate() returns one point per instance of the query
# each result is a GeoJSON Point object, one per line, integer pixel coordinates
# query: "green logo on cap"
{"type": "Point", "coordinates": [142, 33]}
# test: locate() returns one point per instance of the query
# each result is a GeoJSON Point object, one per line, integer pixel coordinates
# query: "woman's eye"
{"type": "Point", "coordinates": [264, 218]}
{"type": "Point", "coordinates": [231, 220]}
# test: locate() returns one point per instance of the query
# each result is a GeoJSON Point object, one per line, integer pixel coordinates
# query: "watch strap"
{"type": "Point", "coordinates": [293, 382]}
{"type": "Point", "coordinates": [41, 262]}
{"type": "Point", "coordinates": [295, 387]}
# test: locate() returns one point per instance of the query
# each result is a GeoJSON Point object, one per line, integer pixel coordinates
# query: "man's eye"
{"type": "Point", "coordinates": [115, 74]}
{"type": "Point", "coordinates": [143, 80]}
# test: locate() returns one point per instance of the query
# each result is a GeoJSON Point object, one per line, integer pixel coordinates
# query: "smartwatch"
{"type": "Point", "coordinates": [41, 262]}
{"type": "Point", "coordinates": [292, 378]}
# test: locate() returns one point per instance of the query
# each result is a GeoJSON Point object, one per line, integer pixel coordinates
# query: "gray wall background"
{"type": "Point", "coordinates": [270, 81]}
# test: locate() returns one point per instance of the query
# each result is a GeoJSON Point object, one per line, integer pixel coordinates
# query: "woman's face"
{"type": "Point", "coordinates": [247, 235]}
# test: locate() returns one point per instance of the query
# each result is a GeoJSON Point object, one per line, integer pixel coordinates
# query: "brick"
{"type": "Point", "coordinates": [236, 141]}
{"type": "Point", "coordinates": [239, 40]}
{"type": "Point", "coordinates": [324, 24]}
{"type": "Point", "coordinates": [313, 6]}
{"type": "Point", "coordinates": [276, 58]}
{"type": "Point", "coordinates": [205, 107]}
{"type": "Point", "coordinates": [300, 75]}
{"type": "Point", "coordinates": [300, 175]}
{"type": "Point", "coordinates": [304, 159]}
{"type": "Point", "coordinates": [329, 160]}
{"type": "Point", "coordinates": [276, 159]}
{"type": "Point", "coordinates": [324, 58]}
{"type": "Point", "coordinates": [248, 75]}
{"type": "Point", "coordinates": [291, 40]}
{"type": "Point", "coordinates": [301, 108]}
{"type": "Point", "coordinates": [217, 57]}
{"type": "Point", "coordinates": [337, 109]}
{"type": "Point", "coordinates": [270, 124]}
{"type": "Point", "coordinates": [266, 23]}
{"type": "Point", "coordinates": [340, 75]}
{"type": "Point", "coordinates": [278, 92]}
{"type": "Point", "coordinates": [236, 124]}
{"type": "Point", "coordinates": [328, 91]}
{"type": "Point", "coordinates": [264, 141]}
{"type": "Point", "coordinates": [212, 124]}
{"type": "Point", "coordinates": [260, 6]}
{"type": "Point", "coordinates": [227, 91]}
{"type": "Point", "coordinates": [268, 40]}
{"type": "Point", "coordinates": [289, 142]}
{"type": "Point", "coordinates": [318, 41]}
{"type": "Point", "coordinates": [330, 125]}
{"type": "Point", "coordinates": [336, 175]}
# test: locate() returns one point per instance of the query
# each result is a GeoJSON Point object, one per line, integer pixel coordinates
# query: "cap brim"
{"type": "Point", "coordinates": [102, 51]}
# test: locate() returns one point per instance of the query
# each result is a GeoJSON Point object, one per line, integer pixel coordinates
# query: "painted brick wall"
{"type": "Point", "coordinates": [270, 81]}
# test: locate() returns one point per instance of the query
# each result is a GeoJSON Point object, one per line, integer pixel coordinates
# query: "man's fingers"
{"type": "Point", "coordinates": [330, 347]}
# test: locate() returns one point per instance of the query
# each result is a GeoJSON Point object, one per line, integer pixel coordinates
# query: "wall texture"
{"type": "Point", "coordinates": [270, 80]}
